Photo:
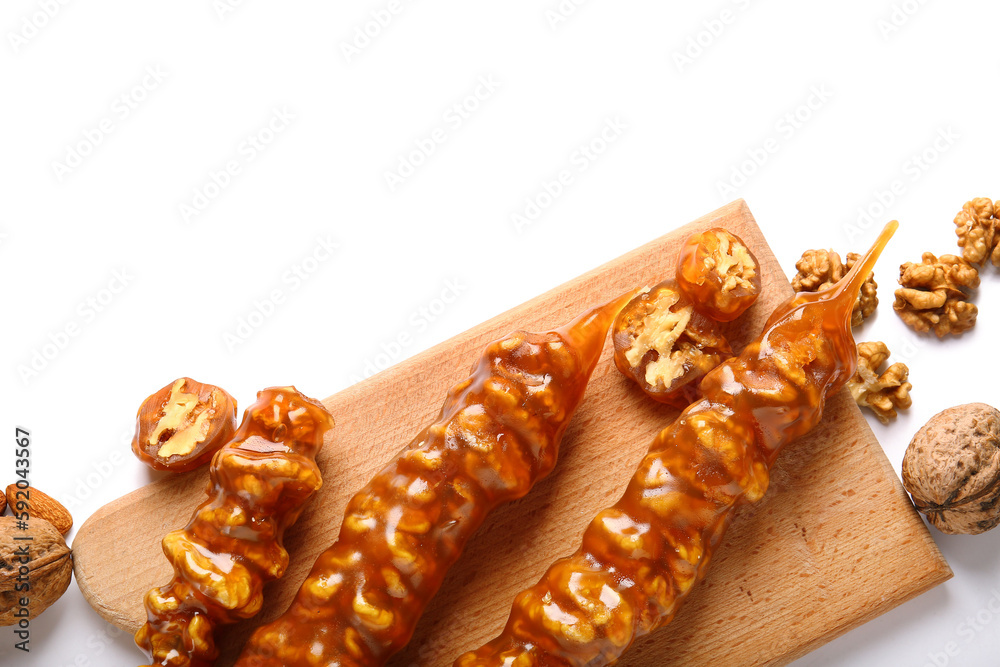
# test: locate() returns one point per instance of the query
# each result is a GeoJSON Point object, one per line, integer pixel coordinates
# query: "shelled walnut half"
{"type": "Point", "coordinates": [978, 228]}
{"type": "Point", "coordinates": [665, 346]}
{"type": "Point", "coordinates": [884, 393]}
{"type": "Point", "coordinates": [933, 294]}
{"type": "Point", "coordinates": [821, 269]}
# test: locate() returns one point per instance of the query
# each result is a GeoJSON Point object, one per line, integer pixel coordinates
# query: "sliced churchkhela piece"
{"type": "Point", "coordinates": [183, 425]}
{"type": "Point", "coordinates": [719, 274]}
{"type": "Point", "coordinates": [665, 346]}
{"type": "Point", "coordinates": [260, 482]}
{"type": "Point", "coordinates": [497, 435]}
{"type": "Point", "coordinates": [641, 557]}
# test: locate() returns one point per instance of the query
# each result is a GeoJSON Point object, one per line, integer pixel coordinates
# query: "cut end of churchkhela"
{"type": "Point", "coordinates": [587, 333]}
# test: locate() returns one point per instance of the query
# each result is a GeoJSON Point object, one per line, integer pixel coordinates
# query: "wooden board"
{"type": "Point", "coordinates": [835, 542]}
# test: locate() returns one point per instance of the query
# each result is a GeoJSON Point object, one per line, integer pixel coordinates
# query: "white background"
{"type": "Point", "coordinates": [903, 92]}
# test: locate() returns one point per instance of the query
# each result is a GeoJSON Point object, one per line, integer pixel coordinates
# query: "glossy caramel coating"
{"type": "Point", "coordinates": [180, 427]}
{"type": "Point", "coordinates": [719, 274]}
{"type": "Point", "coordinates": [665, 346]}
{"type": "Point", "coordinates": [497, 435]}
{"type": "Point", "coordinates": [260, 482]}
{"type": "Point", "coordinates": [641, 557]}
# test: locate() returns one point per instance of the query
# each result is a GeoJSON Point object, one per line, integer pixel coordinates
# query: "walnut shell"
{"type": "Point", "coordinates": [952, 469]}
{"type": "Point", "coordinates": [49, 561]}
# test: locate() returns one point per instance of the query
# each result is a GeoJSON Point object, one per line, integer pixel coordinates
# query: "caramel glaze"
{"type": "Point", "coordinates": [497, 435]}
{"type": "Point", "coordinates": [260, 482]}
{"type": "Point", "coordinates": [641, 557]}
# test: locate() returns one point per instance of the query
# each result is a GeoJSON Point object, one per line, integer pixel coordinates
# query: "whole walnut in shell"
{"type": "Point", "coordinates": [50, 566]}
{"type": "Point", "coordinates": [952, 469]}
{"type": "Point", "coordinates": [821, 269]}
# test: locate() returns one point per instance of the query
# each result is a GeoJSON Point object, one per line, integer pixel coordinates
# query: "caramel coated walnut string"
{"type": "Point", "coordinates": [260, 482]}
{"type": "Point", "coordinates": [640, 558]}
{"type": "Point", "coordinates": [497, 435]}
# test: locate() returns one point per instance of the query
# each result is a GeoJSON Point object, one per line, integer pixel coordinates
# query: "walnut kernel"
{"type": "Point", "coordinates": [880, 393]}
{"type": "Point", "coordinates": [978, 228]}
{"type": "Point", "coordinates": [821, 269]}
{"type": "Point", "coordinates": [933, 294]}
{"type": "Point", "coordinates": [952, 469]}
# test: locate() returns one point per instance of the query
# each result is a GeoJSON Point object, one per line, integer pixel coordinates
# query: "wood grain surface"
{"type": "Point", "coordinates": [834, 543]}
